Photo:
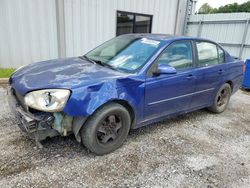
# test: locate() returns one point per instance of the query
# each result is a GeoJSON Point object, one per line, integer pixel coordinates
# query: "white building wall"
{"type": "Point", "coordinates": [89, 23]}
{"type": "Point", "coordinates": [29, 30]}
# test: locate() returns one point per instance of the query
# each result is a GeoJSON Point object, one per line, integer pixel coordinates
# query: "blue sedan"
{"type": "Point", "coordinates": [128, 82]}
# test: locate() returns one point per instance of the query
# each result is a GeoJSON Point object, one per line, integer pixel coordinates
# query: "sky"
{"type": "Point", "coordinates": [217, 3]}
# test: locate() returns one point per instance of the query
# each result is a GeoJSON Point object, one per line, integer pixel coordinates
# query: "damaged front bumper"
{"type": "Point", "coordinates": [41, 125]}
{"type": "Point", "coordinates": [37, 126]}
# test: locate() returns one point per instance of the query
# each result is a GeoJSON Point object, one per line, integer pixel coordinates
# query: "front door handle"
{"type": "Point", "coordinates": [221, 71]}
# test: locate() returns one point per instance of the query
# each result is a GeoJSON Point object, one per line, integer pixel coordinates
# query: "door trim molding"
{"type": "Point", "coordinates": [181, 96]}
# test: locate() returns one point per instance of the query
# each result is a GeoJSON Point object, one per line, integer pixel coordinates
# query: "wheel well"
{"type": "Point", "coordinates": [231, 85]}
{"type": "Point", "coordinates": [129, 108]}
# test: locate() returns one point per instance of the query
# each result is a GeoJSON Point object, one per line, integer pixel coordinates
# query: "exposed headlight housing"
{"type": "Point", "coordinates": [48, 100]}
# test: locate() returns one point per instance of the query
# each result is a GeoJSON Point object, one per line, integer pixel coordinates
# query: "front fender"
{"type": "Point", "coordinates": [85, 101]}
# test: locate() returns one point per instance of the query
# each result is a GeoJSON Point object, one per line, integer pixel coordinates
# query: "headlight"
{"type": "Point", "coordinates": [48, 100]}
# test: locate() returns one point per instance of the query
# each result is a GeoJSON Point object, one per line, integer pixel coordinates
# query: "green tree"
{"type": "Point", "coordinates": [235, 7]}
{"type": "Point", "coordinates": [205, 9]}
{"type": "Point", "coordinates": [245, 7]}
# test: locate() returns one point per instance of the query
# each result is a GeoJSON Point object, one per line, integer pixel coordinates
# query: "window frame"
{"type": "Point", "coordinates": [224, 54]}
{"type": "Point", "coordinates": [195, 41]}
{"type": "Point", "coordinates": [194, 58]}
{"type": "Point", "coordinates": [134, 21]}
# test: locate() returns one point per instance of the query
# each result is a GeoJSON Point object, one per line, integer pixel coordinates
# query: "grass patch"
{"type": "Point", "coordinates": [5, 73]}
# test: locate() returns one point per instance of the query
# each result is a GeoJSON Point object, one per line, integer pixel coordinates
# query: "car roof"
{"type": "Point", "coordinates": [164, 37]}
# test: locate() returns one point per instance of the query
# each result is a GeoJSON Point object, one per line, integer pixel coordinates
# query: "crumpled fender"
{"type": "Point", "coordinates": [84, 101]}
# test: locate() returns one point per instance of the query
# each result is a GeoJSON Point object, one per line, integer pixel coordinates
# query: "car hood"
{"type": "Point", "coordinates": [66, 73]}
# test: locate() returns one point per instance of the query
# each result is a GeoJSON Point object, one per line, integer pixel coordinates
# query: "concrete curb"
{"type": "Point", "coordinates": [4, 81]}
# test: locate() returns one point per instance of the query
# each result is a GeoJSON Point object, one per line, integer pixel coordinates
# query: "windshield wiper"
{"type": "Point", "coordinates": [98, 62]}
{"type": "Point", "coordinates": [88, 59]}
{"type": "Point", "coordinates": [109, 66]}
{"type": "Point", "coordinates": [105, 64]}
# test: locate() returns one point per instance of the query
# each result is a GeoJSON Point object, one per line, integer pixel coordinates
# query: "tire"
{"type": "Point", "coordinates": [106, 129]}
{"type": "Point", "coordinates": [221, 99]}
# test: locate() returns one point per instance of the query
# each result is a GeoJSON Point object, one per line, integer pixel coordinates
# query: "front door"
{"type": "Point", "coordinates": [170, 93]}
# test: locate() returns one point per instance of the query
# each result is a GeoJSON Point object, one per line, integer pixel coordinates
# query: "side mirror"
{"type": "Point", "coordinates": [165, 69]}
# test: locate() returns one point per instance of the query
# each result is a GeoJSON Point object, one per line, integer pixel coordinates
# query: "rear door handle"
{"type": "Point", "coordinates": [190, 76]}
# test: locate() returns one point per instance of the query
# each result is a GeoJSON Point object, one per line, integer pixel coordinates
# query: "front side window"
{"type": "Point", "coordinates": [133, 23]}
{"type": "Point", "coordinates": [177, 55]}
{"type": "Point", "coordinates": [209, 54]}
{"type": "Point", "coordinates": [125, 53]}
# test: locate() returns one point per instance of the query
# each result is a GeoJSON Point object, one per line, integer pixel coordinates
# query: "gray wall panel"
{"type": "Point", "coordinates": [229, 30]}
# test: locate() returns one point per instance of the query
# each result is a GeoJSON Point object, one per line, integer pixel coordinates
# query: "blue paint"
{"type": "Point", "coordinates": [151, 97]}
{"type": "Point", "coordinates": [246, 81]}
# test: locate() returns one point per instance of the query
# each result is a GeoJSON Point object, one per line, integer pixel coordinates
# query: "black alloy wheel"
{"type": "Point", "coordinates": [106, 129]}
{"type": "Point", "coordinates": [221, 99]}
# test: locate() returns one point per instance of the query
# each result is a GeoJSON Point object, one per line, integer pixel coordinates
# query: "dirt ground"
{"type": "Point", "coordinates": [199, 149]}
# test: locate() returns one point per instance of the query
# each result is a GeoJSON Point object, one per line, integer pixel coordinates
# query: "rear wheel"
{"type": "Point", "coordinates": [106, 129]}
{"type": "Point", "coordinates": [221, 99]}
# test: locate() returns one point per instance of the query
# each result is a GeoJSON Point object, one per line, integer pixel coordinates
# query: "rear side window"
{"type": "Point", "coordinates": [177, 55]}
{"type": "Point", "coordinates": [207, 54]}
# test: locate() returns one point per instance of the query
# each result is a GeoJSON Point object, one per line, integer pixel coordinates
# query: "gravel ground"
{"type": "Point", "coordinates": [199, 149]}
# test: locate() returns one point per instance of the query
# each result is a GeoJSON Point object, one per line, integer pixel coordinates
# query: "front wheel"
{"type": "Point", "coordinates": [106, 129]}
{"type": "Point", "coordinates": [221, 99]}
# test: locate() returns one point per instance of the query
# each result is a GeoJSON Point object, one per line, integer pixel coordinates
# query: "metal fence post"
{"type": "Point", "coordinates": [199, 28]}
{"type": "Point", "coordinates": [60, 23]}
{"type": "Point", "coordinates": [187, 15]}
{"type": "Point", "coordinates": [244, 38]}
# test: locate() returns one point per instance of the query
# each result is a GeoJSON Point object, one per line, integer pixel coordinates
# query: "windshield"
{"type": "Point", "coordinates": [125, 53]}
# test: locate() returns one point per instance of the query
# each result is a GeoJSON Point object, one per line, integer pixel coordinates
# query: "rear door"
{"type": "Point", "coordinates": [210, 59]}
{"type": "Point", "coordinates": [170, 93]}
